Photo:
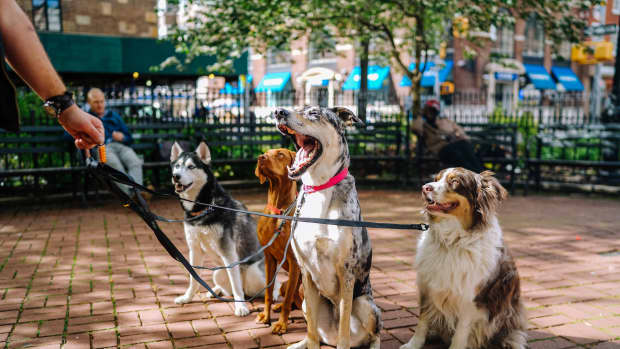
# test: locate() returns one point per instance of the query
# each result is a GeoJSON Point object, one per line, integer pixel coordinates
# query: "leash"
{"type": "Point", "coordinates": [123, 178]}
{"type": "Point", "coordinates": [141, 208]}
{"type": "Point", "coordinates": [109, 175]}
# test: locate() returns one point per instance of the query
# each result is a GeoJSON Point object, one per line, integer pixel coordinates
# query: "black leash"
{"type": "Point", "coordinates": [141, 208]}
{"type": "Point", "coordinates": [122, 178]}
{"type": "Point", "coordinates": [108, 175]}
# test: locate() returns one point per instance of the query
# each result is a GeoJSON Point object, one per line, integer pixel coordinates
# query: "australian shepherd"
{"type": "Point", "coordinates": [467, 280]}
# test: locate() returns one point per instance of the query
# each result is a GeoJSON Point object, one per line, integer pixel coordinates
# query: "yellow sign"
{"type": "Point", "coordinates": [447, 88]}
{"type": "Point", "coordinates": [460, 25]}
{"type": "Point", "coordinates": [592, 52]}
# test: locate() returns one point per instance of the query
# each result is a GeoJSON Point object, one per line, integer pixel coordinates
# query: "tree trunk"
{"type": "Point", "coordinates": [416, 80]}
{"type": "Point", "coordinates": [362, 96]}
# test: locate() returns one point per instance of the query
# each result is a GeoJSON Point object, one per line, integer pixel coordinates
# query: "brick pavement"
{"type": "Point", "coordinates": [81, 278]}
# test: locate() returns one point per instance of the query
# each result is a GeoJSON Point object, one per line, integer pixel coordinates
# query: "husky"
{"type": "Point", "coordinates": [229, 235]}
{"type": "Point", "coordinates": [335, 261]}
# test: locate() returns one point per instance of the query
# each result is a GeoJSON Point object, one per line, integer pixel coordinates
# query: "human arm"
{"type": "Point", "coordinates": [27, 57]}
{"type": "Point", "coordinates": [126, 137]}
{"type": "Point", "coordinates": [459, 132]}
{"type": "Point", "coordinates": [417, 125]}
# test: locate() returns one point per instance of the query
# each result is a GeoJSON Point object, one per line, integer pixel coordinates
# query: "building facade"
{"type": "Point", "coordinates": [112, 17]}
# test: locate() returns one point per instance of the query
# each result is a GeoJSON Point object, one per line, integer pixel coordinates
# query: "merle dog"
{"type": "Point", "coordinates": [229, 235]}
{"type": "Point", "coordinates": [335, 261]}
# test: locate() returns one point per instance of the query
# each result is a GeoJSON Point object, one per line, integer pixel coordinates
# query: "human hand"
{"type": "Point", "coordinates": [86, 129]}
{"type": "Point", "coordinates": [118, 136]}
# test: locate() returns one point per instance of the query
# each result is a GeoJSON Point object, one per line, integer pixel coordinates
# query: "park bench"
{"type": "Point", "coordinates": [495, 145]}
{"type": "Point", "coordinates": [149, 138]}
{"type": "Point", "coordinates": [377, 148]}
{"type": "Point", "coordinates": [582, 155]}
{"type": "Point", "coordinates": [39, 159]}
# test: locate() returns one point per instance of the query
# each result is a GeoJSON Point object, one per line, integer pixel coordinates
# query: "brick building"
{"type": "Point", "coordinates": [111, 41]}
{"type": "Point", "coordinates": [511, 61]}
{"type": "Point", "coordinates": [113, 17]}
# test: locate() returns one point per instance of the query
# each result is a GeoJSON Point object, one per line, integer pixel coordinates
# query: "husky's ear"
{"type": "Point", "coordinates": [175, 152]}
{"type": "Point", "coordinates": [347, 116]}
{"type": "Point", "coordinates": [203, 153]}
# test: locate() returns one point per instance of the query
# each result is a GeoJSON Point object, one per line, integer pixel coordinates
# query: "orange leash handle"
{"type": "Point", "coordinates": [102, 157]}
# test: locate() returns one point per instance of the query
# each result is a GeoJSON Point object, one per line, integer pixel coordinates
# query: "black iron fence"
{"type": "Point", "coordinates": [238, 127]}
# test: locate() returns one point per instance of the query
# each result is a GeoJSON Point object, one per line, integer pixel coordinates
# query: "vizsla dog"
{"type": "Point", "coordinates": [272, 166]}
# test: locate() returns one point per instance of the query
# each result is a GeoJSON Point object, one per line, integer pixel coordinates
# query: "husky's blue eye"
{"type": "Point", "coordinates": [191, 167]}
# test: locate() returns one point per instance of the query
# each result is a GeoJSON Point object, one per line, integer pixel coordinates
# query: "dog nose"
{"type": "Point", "coordinates": [262, 157]}
{"type": "Point", "coordinates": [176, 177]}
{"type": "Point", "coordinates": [427, 188]}
{"type": "Point", "coordinates": [280, 113]}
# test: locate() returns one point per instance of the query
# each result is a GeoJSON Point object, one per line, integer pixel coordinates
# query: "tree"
{"type": "Point", "coordinates": [398, 28]}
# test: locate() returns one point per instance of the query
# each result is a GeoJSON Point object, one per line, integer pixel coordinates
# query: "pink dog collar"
{"type": "Point", "coordinates": [309, 189]}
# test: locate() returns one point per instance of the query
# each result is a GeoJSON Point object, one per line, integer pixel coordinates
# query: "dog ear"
{"type": "Point", "coordinates": [347, 116]}
{"type": "Point", "coordinates": [203, 153]}
{"type": "Point", "coordinates": [175, 152]}
{"type": "Point", "coordinates": [490, 194]}
{"type": "Point", "coordinates": [292, 155]}
{"type": "Point", "coordinates": [259, 174]}
{"type": "Point", "coordinates": [490, 183]}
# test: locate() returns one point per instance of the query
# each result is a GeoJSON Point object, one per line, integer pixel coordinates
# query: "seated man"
{"type": "Point", "coordinates": [444, 138]}
{"type": "Point", "coordinates": [117, 139]}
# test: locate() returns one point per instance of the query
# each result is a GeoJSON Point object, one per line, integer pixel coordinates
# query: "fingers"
{"type": "Point", "coordinates": [95, 130]}
{"type": "Point", "coordinates": [82, 143]}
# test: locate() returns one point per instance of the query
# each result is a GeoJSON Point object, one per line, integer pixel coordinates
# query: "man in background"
{"type": "Point", "coordinates": [446, 139]}
{"type": "Point", "coordinates": [118, 139]}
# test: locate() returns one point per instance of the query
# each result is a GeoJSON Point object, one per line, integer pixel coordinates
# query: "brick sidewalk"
{"type": "Point", "coordinates": [81, 278]}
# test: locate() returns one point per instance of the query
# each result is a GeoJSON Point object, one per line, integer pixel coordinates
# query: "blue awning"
{"type": "Point", "coordinates": [376, 77]}
{"type": "Point", "coordinates": [428, 77]}
{"type": "Point", "coordinates": [230, 90]}
{"type": "Point", "coordinates": [539, 77]}
{"type": "Point", "coordinates": [567, 78]}
{"type": "Point", "coordinates": [274, 82]}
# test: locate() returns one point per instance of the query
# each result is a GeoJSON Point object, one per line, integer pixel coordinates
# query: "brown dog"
{"type": "Point", "coordinates": [272, 166]}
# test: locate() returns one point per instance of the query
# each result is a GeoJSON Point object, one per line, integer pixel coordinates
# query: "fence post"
{"type": "Point", "coordinates": [407, 146]}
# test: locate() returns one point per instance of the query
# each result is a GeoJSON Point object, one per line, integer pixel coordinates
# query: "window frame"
{"type": "Point", "coordinates": [43, 10]}
{"type": "Point", "coordinates": [528, 44]}
{"type": "Point", "coordinates": [325, 56]}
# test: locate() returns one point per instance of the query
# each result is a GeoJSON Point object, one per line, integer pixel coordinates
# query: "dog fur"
{"type": "Point", "coordinates": [272, 167]}
{"type": "Point", "coordinates": [229, 235]}
{"type": "Point", "coordinates": [335, 261]}
{"type": "Point", "coordinates": [467, 280]}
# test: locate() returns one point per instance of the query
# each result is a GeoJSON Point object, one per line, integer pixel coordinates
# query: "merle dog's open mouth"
{"type": "Point", "coordinates": [432, 205]}
{"type": "Point", "coordinates": [309, 149]}
{"type": "Point", "coordinates": [179, 188]}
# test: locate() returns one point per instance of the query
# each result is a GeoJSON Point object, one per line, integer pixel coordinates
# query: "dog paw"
{"type": "Point", "coordinates": [263, 318]}
{"type": "Point", "coordinates": [305, 343]}
{"type": "Point", "coordinates": [279, 327]}
{"type": "Point", "coordinates": [217, 290]}
{"type": "Point", "coordinates": [277, 308]}
{"type": "Point", "coordinates": [299, 345]}
{"type": "Point", "coordinates": [183, 299]}
{"type": "Point", "coordinates": [408, 346]}
{"type": "Point", "coordinates": [241, 310]}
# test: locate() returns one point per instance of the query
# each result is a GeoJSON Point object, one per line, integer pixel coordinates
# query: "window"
{"type": "Point", "coordinates": [278, 56]}
{"type": "Point", "coordinates": [322, 46]}
{"type": "Point", "coordinates": [504, 42]}
{"type": "Point", "coordinates": [47, 15]}
{"type": "Point", "coordinates": [564, 50]}
{"type": "Point", "coordinates": [534, 45]}
{"type": "Point", "coordinates": [616, 7]}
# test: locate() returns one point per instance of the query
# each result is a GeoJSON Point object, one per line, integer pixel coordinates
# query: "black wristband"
{"type": "Point", "coordinates": [57, 104]}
